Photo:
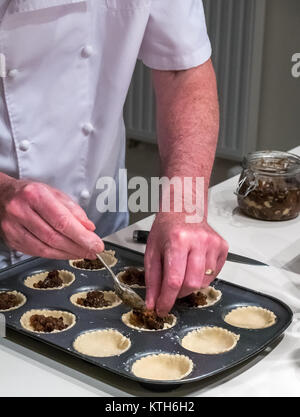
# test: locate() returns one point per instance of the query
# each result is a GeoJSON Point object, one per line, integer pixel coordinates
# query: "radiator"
{"type": "Point", "coordinates": [236, 30]}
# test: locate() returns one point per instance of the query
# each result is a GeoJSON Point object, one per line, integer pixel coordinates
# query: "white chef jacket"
{"type": "Point", "coordinates": [68, 68]}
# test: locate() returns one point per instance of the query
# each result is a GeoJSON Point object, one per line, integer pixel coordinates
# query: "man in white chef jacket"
{"type": "Point", "coordinates": [66, 66]}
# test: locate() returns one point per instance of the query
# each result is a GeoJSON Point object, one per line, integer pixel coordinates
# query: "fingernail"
{"type": "Point", "coordinates": [95, 247]}
{"type": "Point", "coordinates": [150, 305]}
{"type": "Point", "coordinates": [98, 247]}
{"type": "Point", "coordinates": [91, 225]}
{"type": "Point", "coordinates": [161, 313]}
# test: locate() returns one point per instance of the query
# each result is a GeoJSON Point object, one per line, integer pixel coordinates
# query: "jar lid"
{"type": "Point", "coordinates": [273, 163]}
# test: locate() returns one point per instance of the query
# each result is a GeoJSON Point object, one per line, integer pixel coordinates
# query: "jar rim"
{"type": "Point", "coordinates": [290, 169]}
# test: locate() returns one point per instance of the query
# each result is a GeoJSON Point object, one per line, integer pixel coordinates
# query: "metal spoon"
{"type": "Point", "coordinates": [127, 295]}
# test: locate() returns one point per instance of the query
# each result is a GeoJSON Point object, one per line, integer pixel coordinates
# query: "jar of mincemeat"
{"type": "Point", "coordinates": [269, 186]}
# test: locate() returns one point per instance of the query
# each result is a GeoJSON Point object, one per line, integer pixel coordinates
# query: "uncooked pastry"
{"type": "Point", "coordinates": [67, 277]}
{"type": "Point", "coordinates": [102, 343]}
{"type": "Point", "coordinates": [110, 296]}
{"type": "Point", "coordinates": [134, 285]}
{"type": "Point", "coordinates": [69, 319]}
{"type": "Point", "coordinates": [210, 340]}
{"type": "Point", "coordinates": [20, 297]}
{"type": "Point", "coordinates": [251, 317]}
{"type": "Point", "coordinates": [108, 257]}
{"type": "Point", "coordinates": [163, 367]}
{"type": "Point", "coordinates": [127, 316]}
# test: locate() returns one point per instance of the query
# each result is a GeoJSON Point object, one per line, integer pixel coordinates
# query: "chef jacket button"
{"type": "Point", "coordinates": [85, 194]}
{"type": "Point", "coordinates": [87, 51]}
{"type": "Point", "coordinates": [87, 128]}
{"type": "Point", "coordinates": [18, 254]}
{"type": "Point", "coordinates": [13, 73]}
{"type": "Point", "coordinates": [24, 145]}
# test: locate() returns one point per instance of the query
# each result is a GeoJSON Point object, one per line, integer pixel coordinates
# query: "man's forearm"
{"type": "Point", "coordinates": [187, 121]}
{"type": "Point", "coordinates": [179, 253]}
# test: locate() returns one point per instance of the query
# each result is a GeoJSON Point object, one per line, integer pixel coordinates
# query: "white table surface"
{"type": "Point", "coordinates": [28, 368]}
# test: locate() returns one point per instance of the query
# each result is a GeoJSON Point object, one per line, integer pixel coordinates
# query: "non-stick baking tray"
{"type": "Point", "coordinates": [142, 343]}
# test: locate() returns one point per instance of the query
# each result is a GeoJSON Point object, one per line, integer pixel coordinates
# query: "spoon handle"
{"type": "Point", "coordinates": [127, 295]}
{"type": "Point", "coordinates": [109, 269]}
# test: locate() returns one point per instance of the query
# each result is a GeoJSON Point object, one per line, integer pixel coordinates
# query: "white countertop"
{"type": "Point", "coordinates": [28, 368]}
{"type": "Point", "coordinates": [275, 243]}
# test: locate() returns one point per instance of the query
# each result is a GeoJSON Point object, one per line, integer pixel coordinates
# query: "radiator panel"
{"type": "Point", "coordinates": [236, 30]}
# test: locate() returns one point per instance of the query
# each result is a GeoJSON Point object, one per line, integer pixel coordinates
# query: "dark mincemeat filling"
{"type": "Point", "coordinates": [275, 199]}
{"type": "Point", "coordinates": [270, 190]}
{"type": "Point", "coordinates": [193, 300]}
{"type": "Point", "coordinates": [134, 276]}
{"type": "Point", "coordinates": [8, 301]}
{"type": "Point", "coordinates": [94, 299]}
{"type": "Point", "coordinates": [41, 323]}
{"type": "Point", "coordinates": [89, 264]}
{"type": "Point", "coordinates": [149, 320]}
{"type": "Point", "coordinates": [52, 280]}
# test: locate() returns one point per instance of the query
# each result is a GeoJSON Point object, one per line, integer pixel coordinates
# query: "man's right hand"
{"type": "Point", "coordinates": [39, 220]}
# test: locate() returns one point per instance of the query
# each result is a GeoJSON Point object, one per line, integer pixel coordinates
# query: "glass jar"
{"type": "Point", "coordinates": [269, 186]}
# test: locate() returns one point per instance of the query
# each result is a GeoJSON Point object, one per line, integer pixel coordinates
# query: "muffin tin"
{"type": "Point", "coordinates": [142, 342]}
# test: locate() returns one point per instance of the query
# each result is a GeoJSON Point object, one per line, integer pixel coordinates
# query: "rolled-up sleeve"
{"type": "Point", "coordinates": [176, 36]}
